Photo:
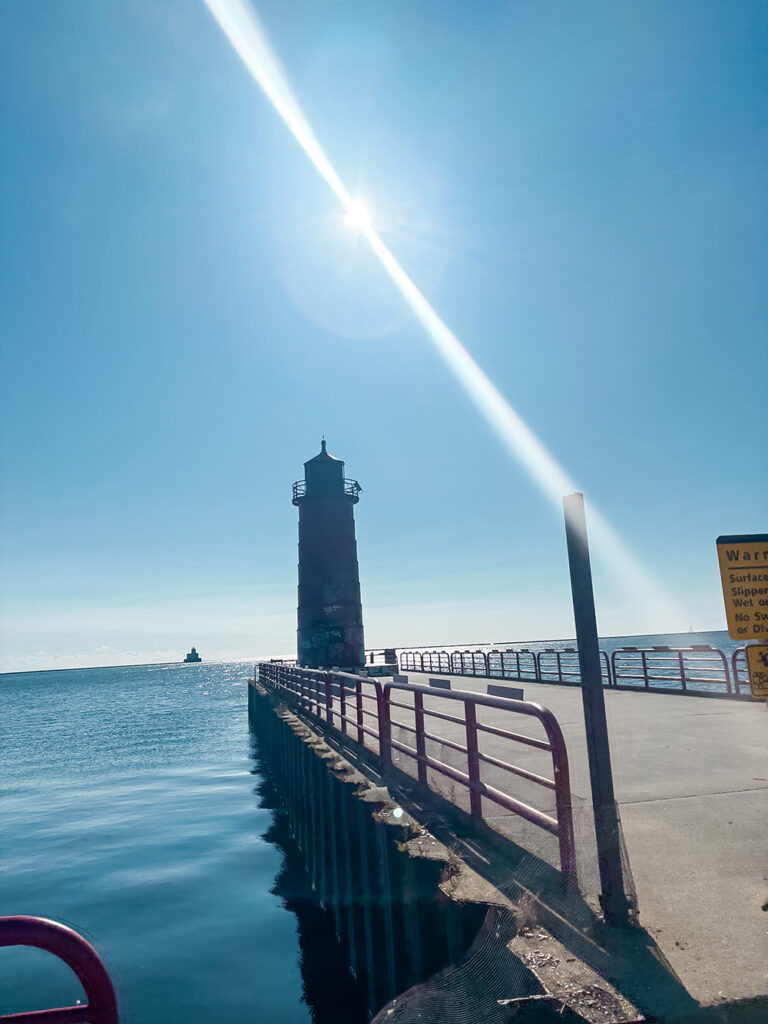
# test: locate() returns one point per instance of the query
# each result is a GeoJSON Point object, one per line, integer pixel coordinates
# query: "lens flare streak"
{"type": "Point", "coordinates": [242, 29]}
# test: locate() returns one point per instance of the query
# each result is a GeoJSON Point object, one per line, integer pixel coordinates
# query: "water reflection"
{"type": "Point", "coordinates": [331, 992]}
{"type": "Point", "coordinates": [128, 813]}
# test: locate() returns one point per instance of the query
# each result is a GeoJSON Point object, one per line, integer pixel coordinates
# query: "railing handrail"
{"type": "Point", "coordinates": [77, 953]}
{"type": "Point", "coordinates": [524, 707]}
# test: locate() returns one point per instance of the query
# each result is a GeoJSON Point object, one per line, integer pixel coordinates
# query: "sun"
{"type": "Point", "coordinates": [358, 216]}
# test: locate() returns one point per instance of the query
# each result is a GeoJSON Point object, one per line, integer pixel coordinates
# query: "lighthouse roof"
{"type": "Point", "coordinates": [323, 455]}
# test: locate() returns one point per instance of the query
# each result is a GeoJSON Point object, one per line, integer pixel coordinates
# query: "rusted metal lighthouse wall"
{"type": "Point", "coordinates": [330, 615]}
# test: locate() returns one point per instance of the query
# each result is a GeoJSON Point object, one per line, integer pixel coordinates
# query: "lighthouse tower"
{"type": "Point", "coordinates": [330, 633]}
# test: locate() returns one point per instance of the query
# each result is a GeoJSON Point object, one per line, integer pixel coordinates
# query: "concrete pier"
{"type": "Point", "coordinates": [691, 779]}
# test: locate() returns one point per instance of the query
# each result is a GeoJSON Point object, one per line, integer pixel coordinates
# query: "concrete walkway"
{"type": "Point", "coordinates": [691, 778]}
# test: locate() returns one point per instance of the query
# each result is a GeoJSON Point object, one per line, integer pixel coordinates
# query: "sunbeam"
{"type": "Point", "coordinates": [358, 217]}
{"type": "Point", "coordinates": [241, 26]}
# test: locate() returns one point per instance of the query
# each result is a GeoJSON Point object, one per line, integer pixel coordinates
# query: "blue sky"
{"type": "Point", "coordinates": [579, 190]}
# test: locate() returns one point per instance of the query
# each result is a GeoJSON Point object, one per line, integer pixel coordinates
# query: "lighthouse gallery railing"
{"type": "Point", "coordinates": [351, 488]}
{"type": "Point", "coordinates": [383, 715]}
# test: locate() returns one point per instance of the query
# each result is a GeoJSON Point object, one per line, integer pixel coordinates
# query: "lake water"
{"type": "Point", "coordinates": [134, 808]}
{"type": "Point", "coordinates": [130, 810]}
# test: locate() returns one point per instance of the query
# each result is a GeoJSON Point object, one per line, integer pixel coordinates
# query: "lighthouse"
{"type": "Point", "coordinates": [330, 633]}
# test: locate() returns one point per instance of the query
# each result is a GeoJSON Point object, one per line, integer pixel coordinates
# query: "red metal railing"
{"type": "Point", "coordinates": [511, 664]}
{"type": "Point", "coordinates": [469, 663]}
{"type": "Point", "coordinates": [381, 656]}
{"type": "Point", "coordinates": [369, 711]}
{"type": "Point", "coordinates": [551, 665]}
{"type": "Point", "coordinates": [436, 661]}
{"type": "Point", "coordinates": [78, 954]}
{"type": "Point", "coordinates": [697, 670]}
{"type": "Point", "coordinates": [562, 666]}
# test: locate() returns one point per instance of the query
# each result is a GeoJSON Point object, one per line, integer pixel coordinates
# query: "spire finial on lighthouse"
{"type": "Point", "coordinates": [322, 444]}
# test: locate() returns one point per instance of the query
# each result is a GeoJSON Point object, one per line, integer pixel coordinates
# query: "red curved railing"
{"type": "Point", "coordinates": [77, 953]}
{"type": "Point", "coordinates": [739, 670]}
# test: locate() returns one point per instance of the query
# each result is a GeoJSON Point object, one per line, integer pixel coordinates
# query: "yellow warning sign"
{"type": "Point", "coordinates": [757, 663]}
{"type": "Point", "coordinates": [744, 572]}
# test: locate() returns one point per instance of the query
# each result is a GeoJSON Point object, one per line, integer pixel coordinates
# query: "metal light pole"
{"type": "Point", "coordinates": [612, 898]}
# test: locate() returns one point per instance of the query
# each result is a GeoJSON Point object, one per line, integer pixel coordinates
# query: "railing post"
{"type": "Point", "coordinates": [343, 706]}
{"type": "Point", "coordinates": [359, 711]}
{"type": "Point", "coordinates": [385, 725]}
{"type": "Point", "coordinates": [473, 761]}
{"type": "Point", "coordinates": [607, 668]}
{"type": "Point", "coordinates": [727, 674]}
{"type": "Point", "coordinates": [681, 665]}
{"type": "Point", "coordinates": [328, 698]}
{"type": "Point", "coordinates": [561, 771]}
{"type": "Point", "coordinates": [421, 743]}
{"type": "Point", "coordinates": [735, 666]}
